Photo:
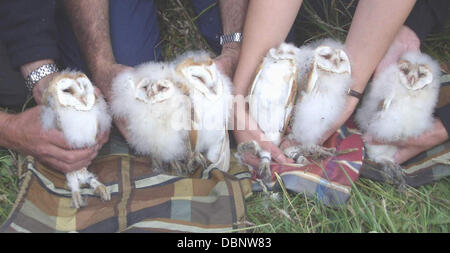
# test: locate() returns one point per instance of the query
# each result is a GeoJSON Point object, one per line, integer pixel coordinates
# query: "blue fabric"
{"type": "Point", "coordinates": [134, 31]}
{"type": "Point", "coordinates": [209, 23]}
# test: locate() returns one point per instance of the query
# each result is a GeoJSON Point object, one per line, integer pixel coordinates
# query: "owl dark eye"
{"type": "Point", "coordinates": [69, 90]}
{"type": "Point", "coordinates": [405, 71]}
{"type": "Point", "coordinates": [162, 88]}
{"type": "Point", "coordinates": [199, 78]}
{"type": "Point", "coordinates": [421, 74]}
{"type": "Point", "coordinates": [327, 56]}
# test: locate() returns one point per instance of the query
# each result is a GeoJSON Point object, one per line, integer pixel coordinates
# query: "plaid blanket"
{"type": "Point", "coordinates": [330, 181]}
{"type": "Point", "coordinates": [141, 200]}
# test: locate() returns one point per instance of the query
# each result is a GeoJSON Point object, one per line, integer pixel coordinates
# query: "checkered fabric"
{"type": "Point", "coordinates": [141, 200]}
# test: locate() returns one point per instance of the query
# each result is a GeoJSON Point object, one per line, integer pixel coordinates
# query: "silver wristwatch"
{"type": "Point", "coordinates": [228, 38]}
{"type": "Point", "coordinates": [38, 74]}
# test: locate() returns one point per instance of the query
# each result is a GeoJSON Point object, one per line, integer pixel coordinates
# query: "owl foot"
{"type": "Point", "coordinates": [102, 192]}
{"type": "Point", "coordinates": [157, 166]}
{"type": "Point", "coordinates": [177, 167]}
{"type": "Point", "coordinates": [196, 161]}
{"type": "Point", "coordinates": [393, 173]}
{"type": "Point", "coordinates": [250, 146]}
{"type": "Point", "coordinates": [99, 189]}
{"type": "Point", "coordinates": [253, 147]}
{"type": "Point", "coordinates": [316, 152]}
{"type": "Point", "coordinates": [294, 154]}
{"type": "Point", "coordinates": [265, 173]}
{"type": "Point", "coordinates": [77, 200]}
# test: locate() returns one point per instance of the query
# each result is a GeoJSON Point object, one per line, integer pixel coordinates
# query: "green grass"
{"type": "Point", "coordinates": [9, 186]}
{"type": "Point", "coordinates": [372, 206]}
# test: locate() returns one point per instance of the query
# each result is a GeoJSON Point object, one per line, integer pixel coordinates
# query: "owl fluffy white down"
{"type": "Point", "coordinates": [158, 129]}
{"type": "Point", "coordinates": [80, 128]}
{"type": "Point", "coordinates": [315, 111]}
{"type": "Point", "coordinates": [392, 112]}
{"type": "Point", "coordinates": [71, 106]}
{"type": "Point", "coordinates": [210, 94]}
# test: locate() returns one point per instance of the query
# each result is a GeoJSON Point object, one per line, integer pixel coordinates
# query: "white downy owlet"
{"type": "Point", "coordinates": [209, 91]}
{"type": "Point", "coordinates": [399, 105]}
{"type": "Point", "coordinates": [156, 112]}
{"type": "Point", "coordinates": [71, 106]}
{"type": "Point", "coordinates": [324, 79]}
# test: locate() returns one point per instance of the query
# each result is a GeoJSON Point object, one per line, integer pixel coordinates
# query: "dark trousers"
{"type": "Point", "coordinates": [135, 32]}
{"type": "Point", "coordinates": [13, 93]}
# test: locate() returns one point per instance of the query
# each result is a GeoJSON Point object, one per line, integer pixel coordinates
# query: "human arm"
{"type": "Point", "coordinates": [90, 22]}
{"type": "Point", "coordinates": [411, 147]}
{"type": "Point", "coordinates": [232, 14]}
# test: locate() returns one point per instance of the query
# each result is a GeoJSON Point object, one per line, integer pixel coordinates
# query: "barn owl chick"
{"type": "Point", "coordinates": [324, 78]}
{"type": "Point", "coordinates": [156, 111]}
{"type": "Point", "coordinates": [71, 105]}
{"type": "Point", "coordinates": [271, 100]}
{"type": "Point", "coordinates": [399, 104]}
{"type": "Point", "coordinates": [210, 94]}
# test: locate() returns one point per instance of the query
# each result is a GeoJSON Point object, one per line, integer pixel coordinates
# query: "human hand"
{"type": "Point", "coordinates": [245, 130]}
{"type": "Point", "coordinates": [407, 149]}
{"type": "Point", "coordinates": [24, 133]}
{"type": "Point", "coordinates": [227, 60]}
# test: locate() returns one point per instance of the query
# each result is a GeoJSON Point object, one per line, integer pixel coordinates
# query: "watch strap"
{"type": "Point", "coordinates": [39, 73]}
{"type": "Point", "coordinates": [228, 38]}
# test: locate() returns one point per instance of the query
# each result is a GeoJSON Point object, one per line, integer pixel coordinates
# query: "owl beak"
{"type": "Point", "coordinates": [336, 62]}
{"type": "Point", "coordinates": [412, 80]}
{"type": "Point", "coordinates": [84, 100]}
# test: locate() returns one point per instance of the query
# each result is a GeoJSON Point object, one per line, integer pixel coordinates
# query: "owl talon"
{"type": "Point", "coordinates": [157, 166]}
{"type": "Point", "coordinates": [102, 192]}
{"type": "Point", "coordinates": [265, 173]}
{"type": "Point", "coordinates": [250, 146]}
{"type": "Point", "coordinates": [77, 200]}
{"type": "Point", "coordinates": [316, 152]}
{"type": "Point", "coordinates": [177, 167]}
{"type": "Point", "coordinates": [292, 152]}
{"type": "Point", "coordinates": [195, 162]}
{"type": "Point", "coordinates": [393, 173]}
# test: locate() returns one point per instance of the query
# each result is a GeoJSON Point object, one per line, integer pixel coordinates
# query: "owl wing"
{"type": "Point", "coordinates": [385, 103]}
{"type": "Point", "coordinates": [272, 96]}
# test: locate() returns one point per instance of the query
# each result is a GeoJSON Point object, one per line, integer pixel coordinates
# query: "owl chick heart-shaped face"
{"type": "Point", "coordinates": [414, 76]}
{"type": "Point", "coordinates": [151, 91]}
{"type": "Point", "coordinates": [332, 60]}
{"type": "Point", "coordinates": [202, 76]}
{"type": "Point", "coordinates": [75, 91]}
{"type": "Point", "coordinates": [284, 52]}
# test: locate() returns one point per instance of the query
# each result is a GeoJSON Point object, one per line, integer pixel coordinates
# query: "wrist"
{"type": "Point", "coordinates": [6, 128]}
{"type": "Point", "coordinates": [41, 86]}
